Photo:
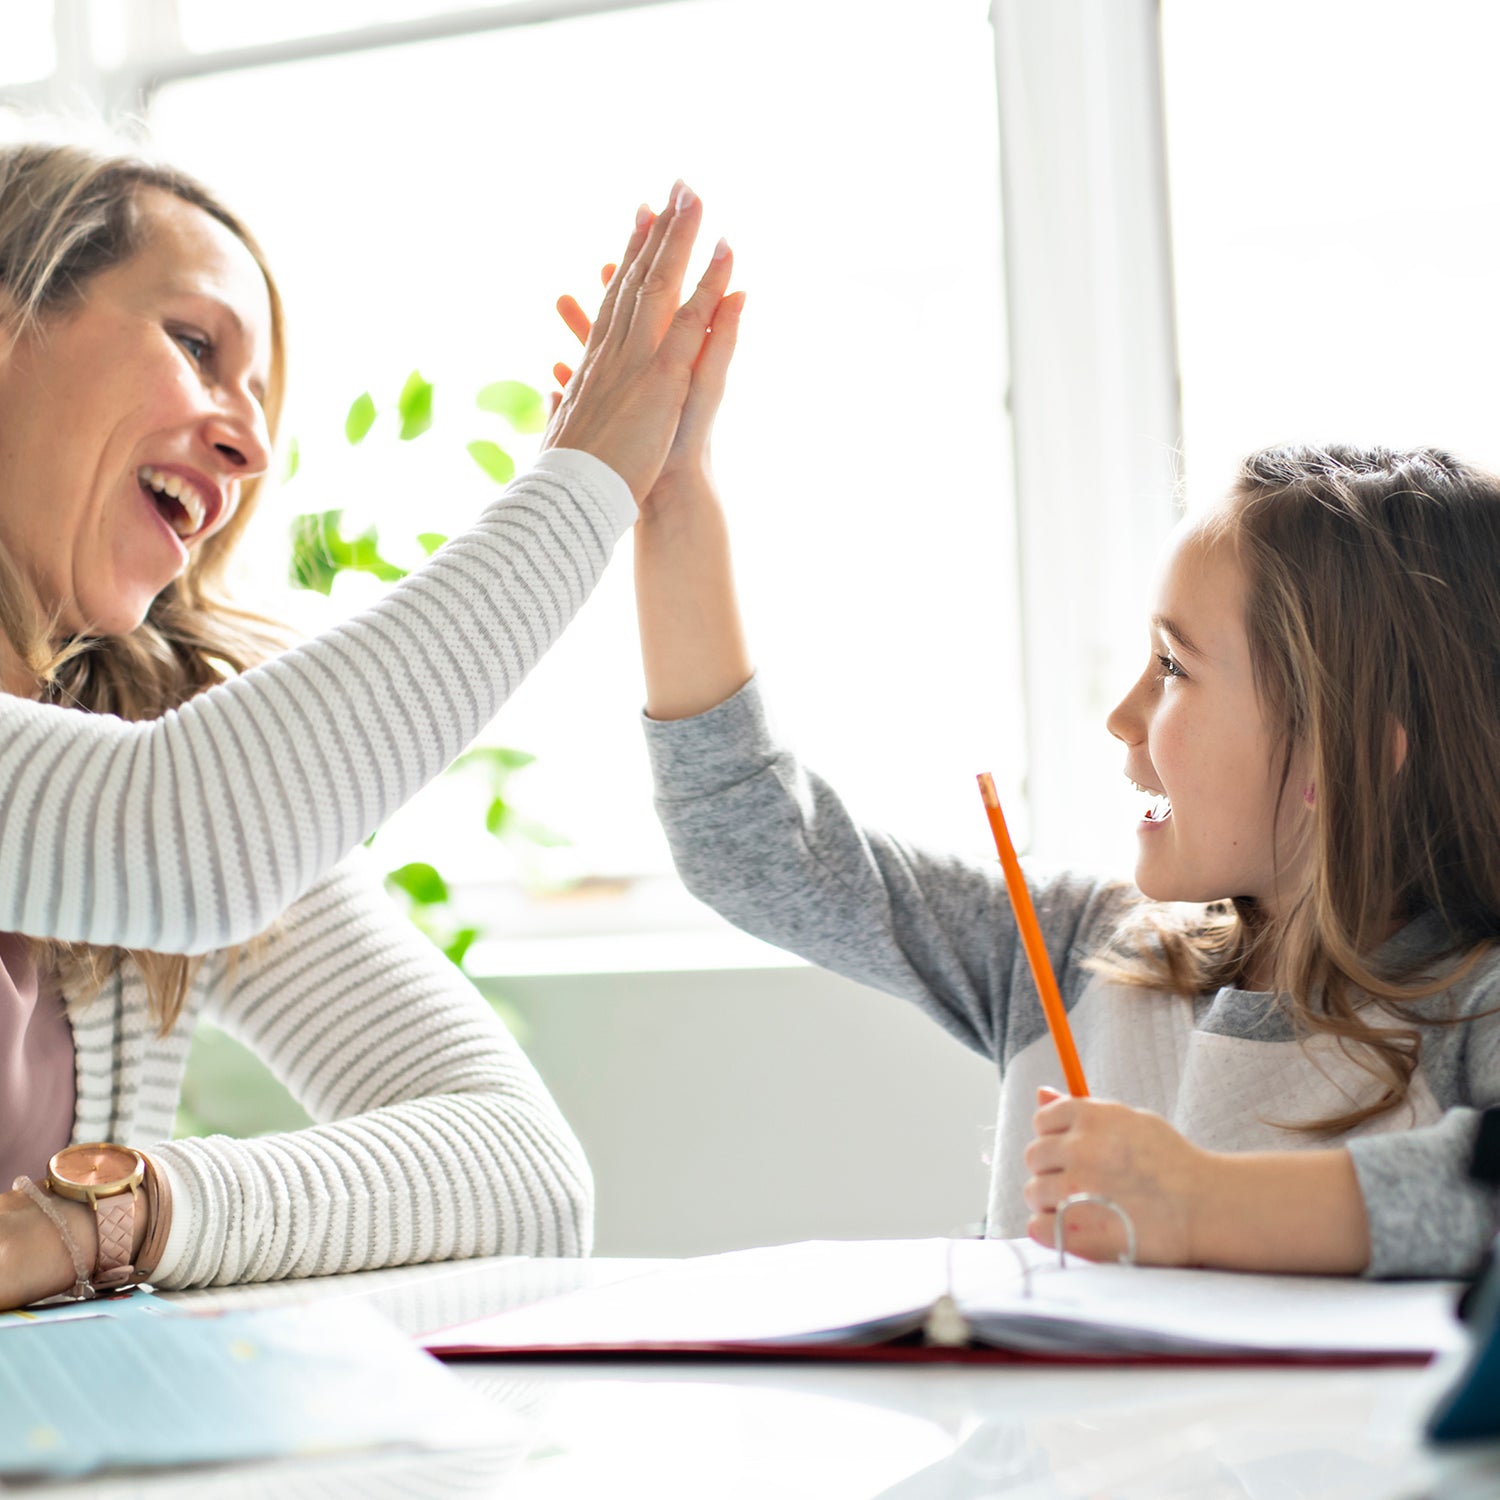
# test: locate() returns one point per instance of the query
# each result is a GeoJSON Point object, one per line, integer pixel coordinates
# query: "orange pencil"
{"type": "Point", "coordinates": [1031, 938]}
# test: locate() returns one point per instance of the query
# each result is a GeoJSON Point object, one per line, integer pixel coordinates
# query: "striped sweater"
{"type": "Point", "coordinates": [194, 832]}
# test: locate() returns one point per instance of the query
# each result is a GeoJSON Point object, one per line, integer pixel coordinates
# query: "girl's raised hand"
{"type": "Point", "coordinates": [688, 458]}
{"type": "Point", "coordinates": [1130, 1156]}
{"type": "Point", "coordinates": [627, 398]}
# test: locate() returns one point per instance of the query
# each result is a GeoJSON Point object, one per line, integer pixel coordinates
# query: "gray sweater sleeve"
{"type": "Point", "coordinates": [772, 848]}
{"type": "Point", "coordinates": [193, 831]}
{"type": "Point", "coordinates": [1427, 1218]}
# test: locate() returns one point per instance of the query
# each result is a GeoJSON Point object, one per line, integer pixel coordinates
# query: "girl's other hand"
{"type": "Point", "coordinates": [626, 400]}
{"type": "Point", "coordinates": [688, 461]}
{"type": "Point", "coordinates": [1131, 1156]}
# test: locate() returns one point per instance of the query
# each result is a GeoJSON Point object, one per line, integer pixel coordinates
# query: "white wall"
{"type": "Point", "coordinates": [730, 1108]}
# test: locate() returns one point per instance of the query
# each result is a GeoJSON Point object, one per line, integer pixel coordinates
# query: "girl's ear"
{"type": "Point", "coordinates": [1398, 743]}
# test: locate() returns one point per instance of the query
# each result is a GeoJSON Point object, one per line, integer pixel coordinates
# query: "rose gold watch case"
{"type": "Point", "coordinates": [98, 1169]}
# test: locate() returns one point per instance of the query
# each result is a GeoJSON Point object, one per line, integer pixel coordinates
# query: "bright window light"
{"type": "Point", "coordinates": [29, 52]}
{"type": "Point", "coordinates": [1335, 214]}
{"type": "Point", "coordinates": [440, 196]}
{"type": "Point", "coordinates": [208, 25]}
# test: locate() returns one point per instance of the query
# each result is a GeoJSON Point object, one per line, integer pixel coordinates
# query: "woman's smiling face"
{"type": "Point", "coordinates": [130, 420]}
{"type": "Point", "coordinates": [1197, 740]}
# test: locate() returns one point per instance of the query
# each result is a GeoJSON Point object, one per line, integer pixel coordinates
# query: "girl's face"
{"type": "Point", "coordinates": [129, 422]}
{"type": "Point", "coordinates": [1197, 741]}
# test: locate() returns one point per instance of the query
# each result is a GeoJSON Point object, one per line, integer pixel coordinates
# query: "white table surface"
{"type": "Point", "coordinates": [784, 1430]}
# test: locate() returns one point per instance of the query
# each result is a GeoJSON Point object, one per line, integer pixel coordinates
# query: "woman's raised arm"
{"type": "Point", "coordinates": [194, 831]}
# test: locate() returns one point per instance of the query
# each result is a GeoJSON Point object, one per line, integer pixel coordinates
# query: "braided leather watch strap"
{"type": "Point", "coordinates": [116, 1217]}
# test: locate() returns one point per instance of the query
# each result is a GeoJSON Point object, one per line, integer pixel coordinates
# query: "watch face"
{"type": "Point", "coordinates": [98, 1166]}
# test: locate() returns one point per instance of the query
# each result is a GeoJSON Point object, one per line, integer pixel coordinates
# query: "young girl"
{"type": "Point", "coordinates": [1288, 1076]}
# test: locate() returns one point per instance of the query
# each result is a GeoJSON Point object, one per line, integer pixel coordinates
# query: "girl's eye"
{"type": "Point", "coordinates": [1166, 666]}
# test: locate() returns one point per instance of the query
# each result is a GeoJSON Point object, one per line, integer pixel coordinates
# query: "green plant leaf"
{"type": "Point", "coordinates": [421, 882]}
{"type": "Point", "coordinates": [321, 551]}
{"type": "Point", "coordinates": [537, 833]}
{"type": "Point", "coordinates": [457, 947]}
{"type": "Point", "coordinates": [521, 405]}
{"type": "Point", "coordinates": [497, 816]}
{"type": "Point", "coordinates": [494, 460]}
{"type": "Point", "coordinates": [415, 406]}
{"type": "Point", "coordinates": [311, 566]}
{"type": "Point", "coordinates": [292, 462]}
{"type": "Point", "coordinates": [500, 758]}
{"type": "Point", "coordinates": [361, 418]}
{"type": "Point", "coordinates": [430, 541]}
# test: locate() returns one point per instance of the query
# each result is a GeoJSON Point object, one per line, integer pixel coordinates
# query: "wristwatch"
{"type": "Point", "coordinates": [109, 1178]}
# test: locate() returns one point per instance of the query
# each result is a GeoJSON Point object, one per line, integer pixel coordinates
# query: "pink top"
{"type": "Point", "coordinates": [36, 1066]}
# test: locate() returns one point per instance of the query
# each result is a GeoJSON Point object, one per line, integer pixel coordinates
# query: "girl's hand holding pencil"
{"type": "Point", "coordinates": [1130, 1156]}
{"type": "Point", "coordinates": [1085, 1145]}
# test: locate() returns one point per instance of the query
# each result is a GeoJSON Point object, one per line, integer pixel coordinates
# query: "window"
{"type": "Point", "coordinates": [440, 196]}
{"type": "Point", "coordinates": [29, 52]}
{"type": "Point", "coordinates": [1335, 219]}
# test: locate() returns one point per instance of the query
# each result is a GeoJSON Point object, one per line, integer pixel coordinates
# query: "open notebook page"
{"type": "Point", "coordinates": [861, 1292]}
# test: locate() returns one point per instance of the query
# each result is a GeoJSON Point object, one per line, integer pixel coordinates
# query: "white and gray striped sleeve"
{"type": "Point", "coordinates": [193, 831]}
{"type": "Point", "coordinates": [439, 1139]}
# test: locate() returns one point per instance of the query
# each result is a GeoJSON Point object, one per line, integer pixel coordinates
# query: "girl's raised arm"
{"type": "Point", "coordinates": [194, 831]}
{"type": "Point", "coordinates": [692, 640]}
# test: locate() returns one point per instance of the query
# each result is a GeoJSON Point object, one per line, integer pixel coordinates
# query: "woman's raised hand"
{"type": "Point", "coordinates": [646, 370]}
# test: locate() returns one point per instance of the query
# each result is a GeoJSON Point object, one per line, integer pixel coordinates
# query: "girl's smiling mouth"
{"type": "Point", "coordinates": [1160, 807]}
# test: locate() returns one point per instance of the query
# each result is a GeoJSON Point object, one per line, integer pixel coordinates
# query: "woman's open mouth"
{"type": "Point", "coordinates": [179, 503]}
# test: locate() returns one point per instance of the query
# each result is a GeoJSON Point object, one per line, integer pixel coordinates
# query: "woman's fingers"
{"type": "Point", "coordinates": [624, 291]}
{"type": "Point", "coordinates": [652, 285]}
{"type": "Point", "coordinates": [640, 239]}
{"type": "Point", "coordinates": [652, 373]}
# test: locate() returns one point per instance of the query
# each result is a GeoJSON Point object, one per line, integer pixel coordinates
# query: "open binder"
{"type": "Point", "coordinates": [958, 1298]}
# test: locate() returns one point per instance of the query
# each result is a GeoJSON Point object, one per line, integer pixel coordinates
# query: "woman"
{"type": "Point", "coordinates": [141, 370]}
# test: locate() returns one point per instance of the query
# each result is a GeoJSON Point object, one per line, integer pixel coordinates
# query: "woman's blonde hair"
{"type": "Point", "coordinates": [68, 212]}
{"type": "Point", "coordinates": [1373, 617]}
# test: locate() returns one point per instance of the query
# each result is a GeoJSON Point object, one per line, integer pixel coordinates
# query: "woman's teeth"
{"type": "Point", "coordinates": [185, 511]}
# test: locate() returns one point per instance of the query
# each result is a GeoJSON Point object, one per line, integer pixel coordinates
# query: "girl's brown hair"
{"type": "Point", "coordinates": [1373, 618]}
{"type": "Point", "coordinates": [68, 212]}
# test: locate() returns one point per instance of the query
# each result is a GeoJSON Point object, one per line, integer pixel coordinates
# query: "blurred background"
{"type": "Point", "coordinates": [1025, 279]}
